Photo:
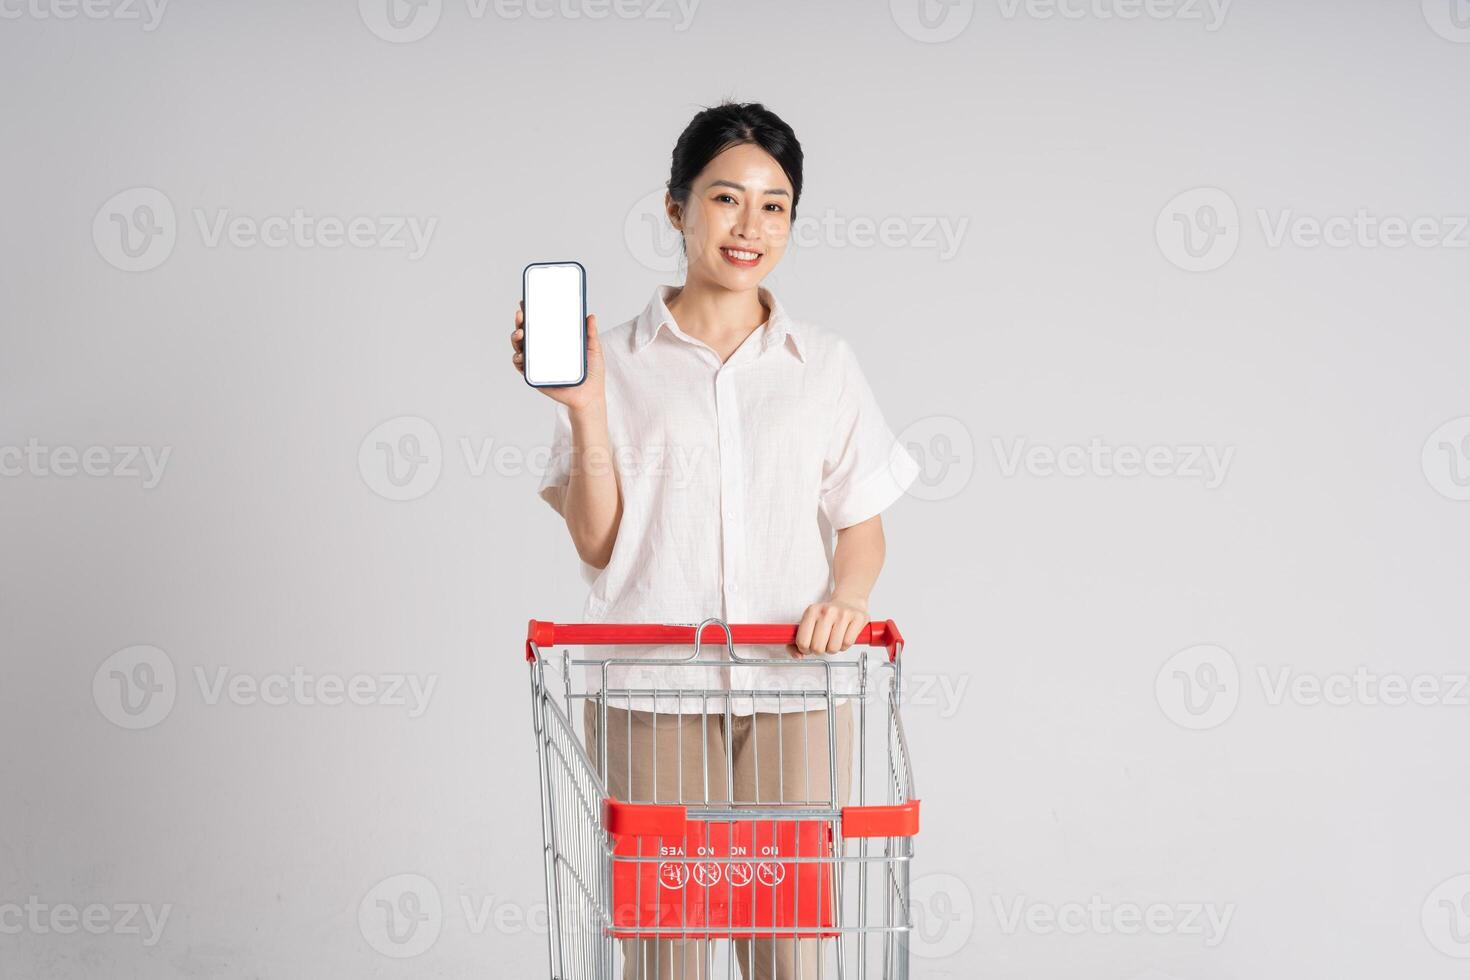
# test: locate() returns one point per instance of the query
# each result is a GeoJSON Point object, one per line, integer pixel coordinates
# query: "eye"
{"type": "Point", "coordinates": [724, 197]}
{"type": "Point", "coordinates": [778, 207]}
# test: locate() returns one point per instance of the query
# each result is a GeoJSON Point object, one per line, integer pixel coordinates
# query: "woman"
{"type": "Point", "coordinates": [703, 468]}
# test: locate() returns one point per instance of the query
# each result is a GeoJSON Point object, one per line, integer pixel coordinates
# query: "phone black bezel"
{"type": "Point", "coordinates": [526, 323]}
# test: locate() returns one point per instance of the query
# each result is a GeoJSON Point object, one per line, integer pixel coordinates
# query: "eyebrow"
{"type": "Point", "coordinates": [741, 187]}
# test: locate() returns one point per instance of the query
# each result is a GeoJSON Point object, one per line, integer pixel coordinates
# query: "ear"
{"type": "Point", "coordinates": [675, 213]}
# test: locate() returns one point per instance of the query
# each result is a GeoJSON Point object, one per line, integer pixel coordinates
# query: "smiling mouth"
{"type": "Point", "coordinates": [740, 256]}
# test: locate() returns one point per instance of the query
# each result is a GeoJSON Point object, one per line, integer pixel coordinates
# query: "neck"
{"type": "Point", "coordinates": [716, 315]}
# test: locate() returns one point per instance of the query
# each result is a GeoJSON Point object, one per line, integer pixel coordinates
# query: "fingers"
{"type": "Point", "coordinates": [826, 629]}
{"type": "Point", "coordinates": [822, 631]}
{"type": "Point", "coordinates": [518, 340]}
{"type": "Point", "coordinates": [804, 630]}
{"type": "Point", "coordinates": [593, 345]}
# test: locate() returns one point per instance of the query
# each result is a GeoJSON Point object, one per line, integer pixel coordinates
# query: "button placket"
{"type": "Point", "coordinates": [728, 420]}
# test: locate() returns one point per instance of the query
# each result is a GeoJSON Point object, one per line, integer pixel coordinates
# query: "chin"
{"type": "Point", "coordinates": [738, 279]}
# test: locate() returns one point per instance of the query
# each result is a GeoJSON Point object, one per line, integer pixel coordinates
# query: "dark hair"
{"type": "Point", "coordinates": [716, 129]}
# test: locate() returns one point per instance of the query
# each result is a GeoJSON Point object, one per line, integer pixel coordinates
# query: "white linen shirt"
{"type": "Point", "coordinates": [735, 477]}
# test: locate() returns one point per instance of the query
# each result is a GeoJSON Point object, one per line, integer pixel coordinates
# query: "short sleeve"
{"type": "Point", "coordinates": [558, 475]}
{"type": "Point", "coordinates": [865, 468]}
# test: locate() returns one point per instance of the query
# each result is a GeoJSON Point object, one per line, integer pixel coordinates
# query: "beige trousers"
{"type": "Point", "coordinates": [769, 757]}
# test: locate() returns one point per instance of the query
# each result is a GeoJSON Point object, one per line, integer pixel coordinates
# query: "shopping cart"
{"type": "Point", "coordinates": [666, 858]}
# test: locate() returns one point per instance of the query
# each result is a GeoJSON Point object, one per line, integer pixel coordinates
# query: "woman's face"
{"type": "Point", "coordinates": [737, 220]}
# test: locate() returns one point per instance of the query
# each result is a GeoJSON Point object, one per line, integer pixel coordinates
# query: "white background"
{"type": "Point", "coordinates": [272, 542]}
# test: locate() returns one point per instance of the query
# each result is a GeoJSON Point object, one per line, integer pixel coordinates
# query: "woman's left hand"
{"type": "Point", "coordinates": [831, 626]}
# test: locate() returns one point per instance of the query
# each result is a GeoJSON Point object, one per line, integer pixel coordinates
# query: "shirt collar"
{"type": "Point", "coordinates": [656, 314]}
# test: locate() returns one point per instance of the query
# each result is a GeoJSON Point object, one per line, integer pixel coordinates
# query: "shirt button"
{"type": "Point", "coordinates": [732, 587]}
{"type": "Point", "coordinates": [730, 514]}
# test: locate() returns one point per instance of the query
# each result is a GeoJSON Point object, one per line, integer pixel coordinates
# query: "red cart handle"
{"type": "Point", "coordinates": [543, 634]}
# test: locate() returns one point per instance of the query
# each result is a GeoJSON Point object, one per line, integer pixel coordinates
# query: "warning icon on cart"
{"type": "Point", "coordinates": [707, 874]}
{"type": "Point", "coordinates": [673, 874]}
{"type": "Point", "coordinates": [740, 874]}
{"type": "Point", "coordinates": [769, 874]}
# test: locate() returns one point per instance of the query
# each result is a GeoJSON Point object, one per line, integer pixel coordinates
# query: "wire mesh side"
{"type": "Point", "coordinates": [575, 845]}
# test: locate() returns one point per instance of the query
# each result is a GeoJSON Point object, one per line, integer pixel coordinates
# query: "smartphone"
{"type": "Point", "coordinates": [554, 299]}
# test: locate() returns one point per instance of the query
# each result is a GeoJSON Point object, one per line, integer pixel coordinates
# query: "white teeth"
{"type": "Point", "coordinates": [742, 256]}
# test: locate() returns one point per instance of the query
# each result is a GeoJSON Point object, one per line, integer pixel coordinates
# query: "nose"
{"type": "Point", "coordinates": [747, 222]}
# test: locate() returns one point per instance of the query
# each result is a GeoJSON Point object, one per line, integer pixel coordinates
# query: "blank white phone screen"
{"type": "Point", "coordinates": [554, 327]}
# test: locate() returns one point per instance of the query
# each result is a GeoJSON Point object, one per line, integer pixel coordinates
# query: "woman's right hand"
{"type": "Point", "coordinates": [585, 395]}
